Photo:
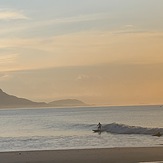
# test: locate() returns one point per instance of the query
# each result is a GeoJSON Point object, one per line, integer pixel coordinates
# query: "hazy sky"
{"type": "Point", "coordinates": [98, 51]}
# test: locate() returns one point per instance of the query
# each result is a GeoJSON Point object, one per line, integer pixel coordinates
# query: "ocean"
{"type": "Point", "coordinates": [71, 128]}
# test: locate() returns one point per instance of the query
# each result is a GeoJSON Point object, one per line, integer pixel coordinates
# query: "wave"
{"type": "Point", "coordinates": [125, 129]}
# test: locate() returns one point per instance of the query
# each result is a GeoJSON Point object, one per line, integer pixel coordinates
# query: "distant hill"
{"type": "Point", "coordinates": [10, 101]}
{"type": "Point", "coordinates": [67, 102]}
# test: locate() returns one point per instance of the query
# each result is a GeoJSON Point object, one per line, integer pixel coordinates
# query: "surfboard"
{"type": "Point", "coordinates": [157, 134]}
{"type": "Point", "coordinates": [96, 130]}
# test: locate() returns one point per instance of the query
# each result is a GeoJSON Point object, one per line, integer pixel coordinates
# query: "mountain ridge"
{"type": "Point", "coordinates": [7, 100]}
{"type": "Point", "coordinates": [11, 101]}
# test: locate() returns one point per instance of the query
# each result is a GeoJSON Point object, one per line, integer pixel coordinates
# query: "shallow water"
{"type": "Point", "coordinates": [68, 128]}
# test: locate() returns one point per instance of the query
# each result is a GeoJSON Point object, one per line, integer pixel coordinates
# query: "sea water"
{"type": "Point", "coordinates": [71, 128]}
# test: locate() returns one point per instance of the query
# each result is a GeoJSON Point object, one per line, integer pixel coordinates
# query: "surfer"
{"type": "Point", "coordinates": [99, 126]}
{"type": "Point", "coordinates": [157, 134]}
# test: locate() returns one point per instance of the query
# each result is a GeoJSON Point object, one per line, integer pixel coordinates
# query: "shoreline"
{"type": "Point", "coordinates": [99, 155]}
{"type": "Point", "coordinates": [82, 106]}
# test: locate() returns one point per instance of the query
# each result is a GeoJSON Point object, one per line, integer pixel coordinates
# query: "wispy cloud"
{"type": "Point", "coordinates": [9, 14]}
{"type": "Point", "coordinates": [82, 48]}
{"type": "Point", "coordinates": [4, 77]}
{"type": "Point", "coordinates": [32, 25]}
{"type": "Point", "coordinates": [8, 62]}
{"type": "Point", "coordinates": [82, 77]}
{"type": "Point", "coordinates": [81, 18]}
{"type": "Point", "coordinates": [7, 58]}
{"type": "Point", "coordinates": [86, 77]}
{"type": "Point", "coordinates": [129, 29]}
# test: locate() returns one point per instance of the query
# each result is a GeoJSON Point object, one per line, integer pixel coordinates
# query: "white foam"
{"type": "Point", "coordinates": [153, 162]}
{"type": "Point", "coordinates": [125, 129]}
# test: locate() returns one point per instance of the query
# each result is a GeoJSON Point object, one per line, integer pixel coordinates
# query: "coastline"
{"type": "Point", "coordinates": [105, 155]}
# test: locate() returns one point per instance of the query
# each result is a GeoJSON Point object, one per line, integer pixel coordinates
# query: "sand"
{"type": "Point", "coordinates": [111, 155]}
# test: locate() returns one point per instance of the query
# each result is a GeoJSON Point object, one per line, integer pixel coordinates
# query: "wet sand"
{"type": "Point", "coordinates": [110, 155]}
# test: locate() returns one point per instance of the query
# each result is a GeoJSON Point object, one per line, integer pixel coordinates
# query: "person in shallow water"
{"type": "Point", "coordinates": [99, 126]}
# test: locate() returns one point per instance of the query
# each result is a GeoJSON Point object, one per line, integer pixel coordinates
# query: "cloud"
{"type": "Point", "coordinates": [81, 18]}
{"type": "Point", "coordinates": [82, 77]}
{"type": "Point", "coordinates": [85, 77]}
{"type": "Point", "coordinates": [66, 20]}
{"type": "Point", "coordinates": [8, 14]}
{"type": "Point", "coordinates": [82, 49]}
{"type": "Point", "coordinates": [130, 29]}
{"type": "Point", "coordinates": [31, 25]}
{"type": "Point", "coordinates": [4, 77]}
{"type": "Point", "coordinates": [7, 58]}
{"type": "Point", "coordinates": [8, 62]}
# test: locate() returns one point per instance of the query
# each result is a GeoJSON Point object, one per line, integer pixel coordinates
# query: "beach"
{"type": "Point", "coordinates": [109, 155]}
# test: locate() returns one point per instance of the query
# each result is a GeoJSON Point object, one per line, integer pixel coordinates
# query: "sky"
{"type": "Point", "coordinates": [103, 52]}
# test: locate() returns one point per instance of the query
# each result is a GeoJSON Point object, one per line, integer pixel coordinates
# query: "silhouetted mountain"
{"type": "Point", "coordinates": [67, 102]}
{"type": "Point", "coordinates": [7, 101]}
{"type": "Point", "coordinates": [10, 101]}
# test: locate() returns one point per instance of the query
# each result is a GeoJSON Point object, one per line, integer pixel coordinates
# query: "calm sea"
{"type": "Point", "coordinates": [71, 128]}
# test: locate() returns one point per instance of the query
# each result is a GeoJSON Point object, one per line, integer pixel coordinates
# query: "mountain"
{"type": "Point", "coordinates": [7, 101]}
{"type": "Point", "coordinates": [10, 101]}
{"type": "Point", "coordinates": [67, 102]}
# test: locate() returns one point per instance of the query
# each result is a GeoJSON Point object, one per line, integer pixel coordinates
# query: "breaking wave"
{"type": "Point", "coordinates": [125, 129]}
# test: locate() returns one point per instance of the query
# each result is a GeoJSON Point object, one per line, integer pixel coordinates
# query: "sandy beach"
{"type": "Point", "coordinates": [111, 155]}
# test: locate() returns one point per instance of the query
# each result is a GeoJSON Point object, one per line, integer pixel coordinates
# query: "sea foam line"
{"type": "Point", "coordinates": [126, 129]}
